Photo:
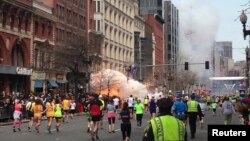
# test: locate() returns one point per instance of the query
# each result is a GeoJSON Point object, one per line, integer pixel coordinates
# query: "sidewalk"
{"type": "Point", "coordinates": [10, 121]}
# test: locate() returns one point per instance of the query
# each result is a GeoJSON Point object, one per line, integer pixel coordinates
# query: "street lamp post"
{"type": "Point", "coordinates": [243, 19]}
{"type": "Point", "coordinates": [247, 67]}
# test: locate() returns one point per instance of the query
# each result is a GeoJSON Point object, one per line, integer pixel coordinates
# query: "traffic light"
{"type": "Point", "coordinates": [207, 65]}
{"type": "Point", "coordinates": [186, 66]}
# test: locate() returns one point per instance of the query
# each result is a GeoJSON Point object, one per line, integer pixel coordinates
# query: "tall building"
{"type": "Point", "coordinates": [15, 45]}
{"type": "Point", "coordinates": [171, 33]}
{"type": "Point", "coordinates": [139, 38]}
{"type": "Point", "coordinates": [226, 47]}
{"type": "Point", "coordinates": [223, 61]}
{"type": "Point", "coordinates": [156, 23]}
{"type": "Point", "coordinates": [150, 7]}
{"type": "Point", "coordinates": [115, 20]}
{"type": "Point", "coordinates": [148, 55]}
{"type": "Point", "coordinates": [169, 14]}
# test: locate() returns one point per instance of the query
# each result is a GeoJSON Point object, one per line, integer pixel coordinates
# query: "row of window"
{"type": "Point", "coordinates": [151, 3]}
{"type": "Point", "coordinates": [123, 6]}
{"type": "Point", "coordinates": [75, 2]}
{"type": "Point", "coordinates": [118, 36]}
{"type": "Point", "coordinates": [118, 19]}
{"type": "Point", "coordinates": [65, 36]}
{"type": "Point", "coordinates": [116, 66]}
{"type": "Point", "coordinates": [71, 17]}
{"type": "Point", "coordinates": [14, 22]}
{"type": "Point", "coordinates": [43, 29]}
{"type": "Point", "coordinates": [117, 53]}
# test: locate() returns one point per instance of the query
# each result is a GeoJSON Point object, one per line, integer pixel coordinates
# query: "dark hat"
{"type": "Point", "coordinates": [192, 96]}
{"type": "Point", "coordinates": [165, 103]}
{"type": "Point", "coordinates": [178, 95]}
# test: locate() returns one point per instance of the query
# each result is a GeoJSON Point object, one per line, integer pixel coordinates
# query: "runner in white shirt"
{"type": "Point", "coordinates": [116, 102]}
{"type": "Point", "coordinates": [72, 108]}
{"type": "Point", "coordinates": [131, 104]}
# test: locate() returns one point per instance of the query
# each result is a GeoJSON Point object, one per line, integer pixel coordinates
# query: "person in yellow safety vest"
{"type": "Point", "coordinates": [165, 127]}
{"type": "Point", "coordinates": [193, 110]}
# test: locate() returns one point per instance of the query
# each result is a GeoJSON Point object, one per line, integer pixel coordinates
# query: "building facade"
{"type": "Point", "coordinates": [150, 7]}
{"type": "Point", "coordinates": [15, 45]}
{"type": "Point", "coordinates": [223, 61]}
{"type": "Point", "coordinates": [139, 38]}
{"type": "Point", "coordinates": [171, 33]}
{"type": "Point", "coordinates": [115, 20]}
{"type": "Point", "coordinates": [156, 22]}
{"type": "Point", "coordinates": [148, 55]}
{"type": "Point", "coordinates": [71, 26]}
{"type": "Point", "coordinates": [43, 45]}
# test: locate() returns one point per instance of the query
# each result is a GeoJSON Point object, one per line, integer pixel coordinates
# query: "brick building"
{"type": "Point", "coordinates": [156, 23]}
{"type": "Point", "coordinates": [43, 46]}
{"type": "Point", "coordinates": [15, 45]}
{"type": "Point", "coordinates": [30, 30]}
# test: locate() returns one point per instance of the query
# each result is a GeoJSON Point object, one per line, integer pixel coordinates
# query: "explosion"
{"type": "Point", "coordinates": [114, 83]}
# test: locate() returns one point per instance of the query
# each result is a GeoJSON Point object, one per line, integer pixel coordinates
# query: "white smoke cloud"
{"type": "Point", "coordinates": [198, 28]}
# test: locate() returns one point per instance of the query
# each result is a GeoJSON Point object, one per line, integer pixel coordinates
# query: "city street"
{"type": "Point", "coordinates": [75, 130]}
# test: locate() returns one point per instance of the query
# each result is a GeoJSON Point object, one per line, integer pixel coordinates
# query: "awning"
{"type": "Point", "coordinates": [61, 81]}
{"type": "Point", "coordinates": [38, 84]}
{"type": "Point", "coordinates": [53, 83]}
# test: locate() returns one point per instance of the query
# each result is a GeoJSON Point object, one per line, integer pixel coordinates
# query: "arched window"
{"type": "Point", "coordinates": [17, 58]}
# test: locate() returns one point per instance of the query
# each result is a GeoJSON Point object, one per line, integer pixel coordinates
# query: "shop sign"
{"type": "Point", "coordinates": [40, 76]}
{"type": "Point", "coordinates": [23, 71]}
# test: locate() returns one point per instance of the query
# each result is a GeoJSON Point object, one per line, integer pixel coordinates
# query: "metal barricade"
{"type": "Point", "coordinates": [3, 114]}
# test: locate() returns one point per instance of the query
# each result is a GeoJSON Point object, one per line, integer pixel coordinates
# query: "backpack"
{"type": "Point", "coordinates": [95, 110]}
{"type": "Point", "coordinates": [28, 106]}
{"type": "Point", "coordinates": [228, 109]}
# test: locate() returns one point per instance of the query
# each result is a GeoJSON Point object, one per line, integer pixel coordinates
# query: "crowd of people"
{"type": "Point", "coordinates": [169, 115]}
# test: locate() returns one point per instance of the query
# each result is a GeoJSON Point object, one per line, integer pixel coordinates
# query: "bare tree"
{"type": "Point", "coordinates": [76, 57]}
{"type": "Point", "coordinates": [185, 79]}
{"type": "Point", "coordinates": [105, 80]}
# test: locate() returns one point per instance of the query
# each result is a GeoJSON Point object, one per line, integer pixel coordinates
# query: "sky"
{"type": "Point", "coordinates": [225, 14]}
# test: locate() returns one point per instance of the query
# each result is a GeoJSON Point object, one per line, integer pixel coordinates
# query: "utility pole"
{"type": "Point", "coordinates": [247, 68]}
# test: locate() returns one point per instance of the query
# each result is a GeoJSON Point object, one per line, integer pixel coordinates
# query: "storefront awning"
{"type": "Point", "coordinates": [38, 84]}
{"type": "Point", "coordinates": [53, 83]}
{"type": "Point", "coordinates": [61, 81]}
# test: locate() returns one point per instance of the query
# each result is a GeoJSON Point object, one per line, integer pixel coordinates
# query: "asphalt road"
{"type": "Point", "coordinates": [75, 130]}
